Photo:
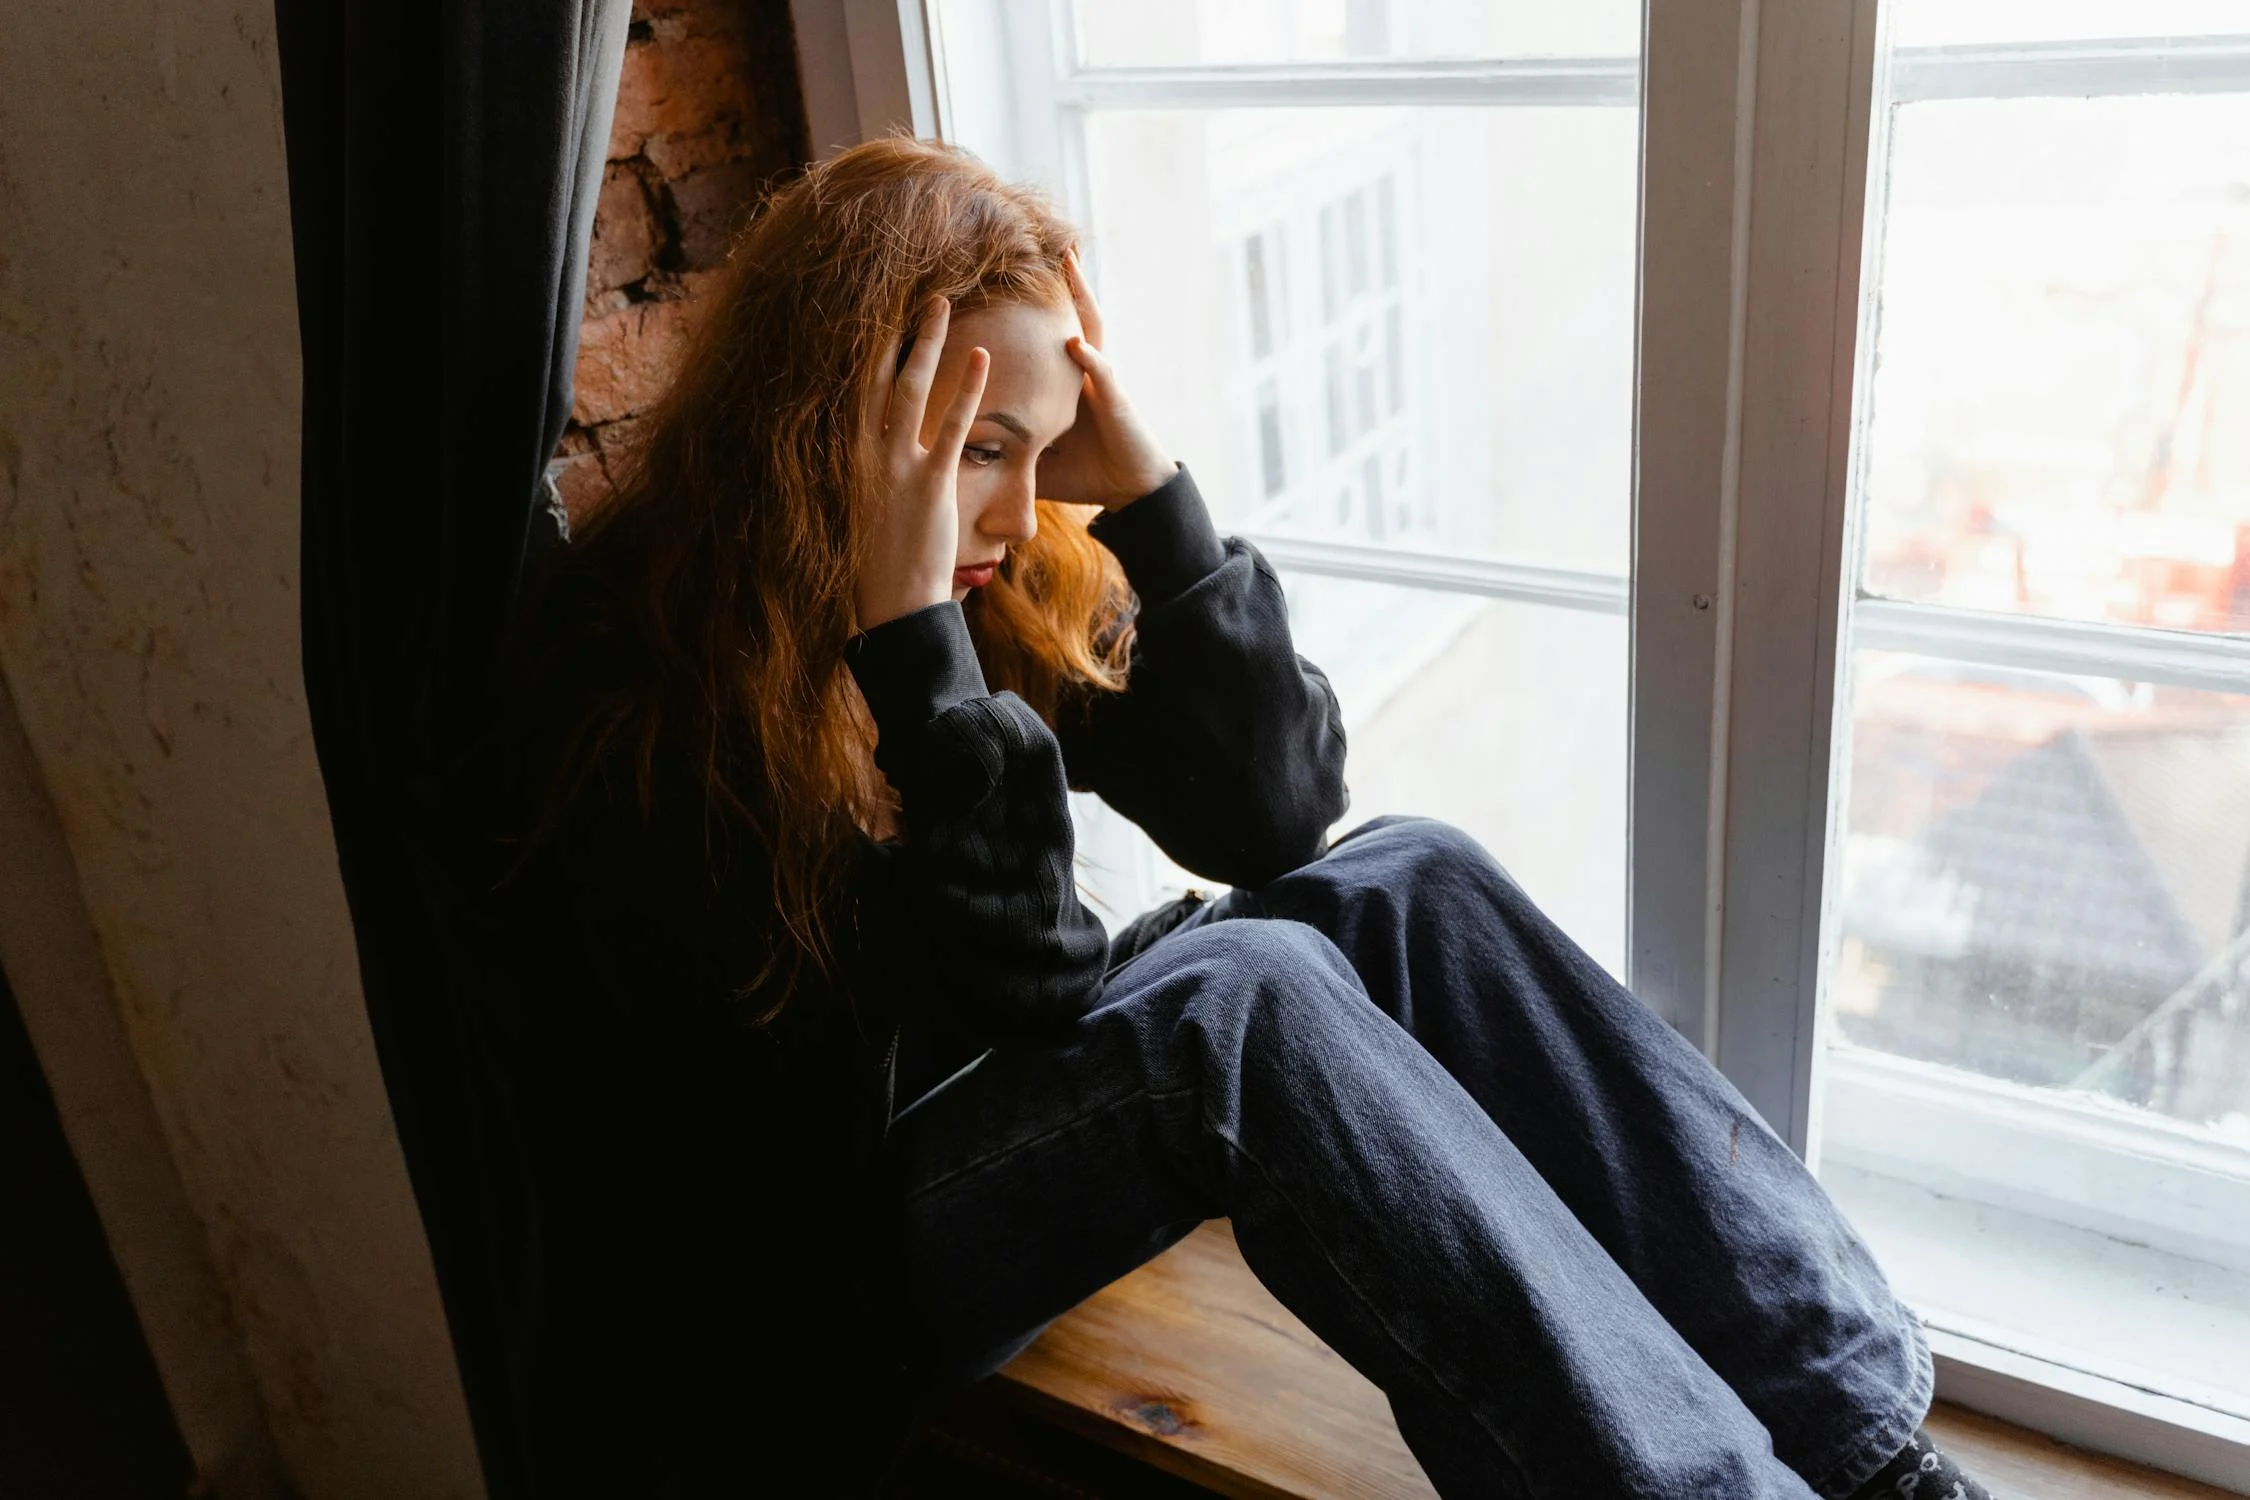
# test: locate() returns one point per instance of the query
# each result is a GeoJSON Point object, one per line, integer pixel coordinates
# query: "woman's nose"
{"type": "Point", "coordinates": [1013, 515]}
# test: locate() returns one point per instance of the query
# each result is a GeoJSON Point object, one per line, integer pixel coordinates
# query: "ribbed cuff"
{"type": "Point", "coordinates": [1165, 539]}
{"type": "Point", "coordinates": [915, 667]}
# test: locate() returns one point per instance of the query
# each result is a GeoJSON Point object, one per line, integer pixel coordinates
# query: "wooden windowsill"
{"type": "Point", "coordinates": [1191, 1366]}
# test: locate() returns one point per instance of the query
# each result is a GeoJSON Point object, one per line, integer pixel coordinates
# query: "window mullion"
{"type": "Point", "coordinates": [2076, 70]}
{"type": "Point", "coordinates": [1560, 81]}
{"type": "Point", "coordinates": [1755, 138]}
{"type": "Point", "coordinates": [2207, 662]}
{"type": "Point", "coordinates": [1491, 578]}
{"type": "Point", "coordinates": [866, 68]}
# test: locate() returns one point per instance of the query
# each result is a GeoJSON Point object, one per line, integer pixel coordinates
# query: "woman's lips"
{"type": "Point", "coordinates": [975, 577]}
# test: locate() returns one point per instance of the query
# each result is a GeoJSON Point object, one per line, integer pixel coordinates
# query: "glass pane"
{"type": "Point", "coordinates": [1425, 398]}
{"type": "Point", "coordinates": [1438, 691]}
{"type": "Point", "coordinates": [2060, 408]}
{"type": "Point", "coordinates": [2043, 962]}
{"type": "Point", "coordinates": [2047, 879]}
{"type": "Point", "coordinates": [1175, 33]}
{"type": "Point", "coordinates": [1939, 23]}
{"type": "Point", "coordinates": [1393, 327]}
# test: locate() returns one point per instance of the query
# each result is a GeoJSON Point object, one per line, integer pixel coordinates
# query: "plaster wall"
{"type": "Point", "coordinates": [149, 643]}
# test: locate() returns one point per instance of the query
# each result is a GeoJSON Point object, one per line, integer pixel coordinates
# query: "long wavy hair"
{"type": "Point", "coordinates": [725, 561]}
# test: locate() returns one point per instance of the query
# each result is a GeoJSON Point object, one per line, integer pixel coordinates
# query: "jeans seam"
{"type": "Point", "coordinates": [1374, 1316]}
{"type": "Point", "coordinates": [1889, 1433]}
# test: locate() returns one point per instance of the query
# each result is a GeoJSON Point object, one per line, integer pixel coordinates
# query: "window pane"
{"type": "Point", "coordinates": [1437, 691]}
{"type": "Point", "coordinates": [2061, 398]}
{"type": "Point", "coordinates": [1506, 373]}
{"type": "Point", "coordinates": [1175, 33]}
{"type": "Point", "coordinates": [1507, 719]}
{"type": "Point", "coordinates": [2047, 879]}
{"type": "Point", "coordinates": [2042, 963]}
{"type": "Point", "coordinates": [1404, 327]}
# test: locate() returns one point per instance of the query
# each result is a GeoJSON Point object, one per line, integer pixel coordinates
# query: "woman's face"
{"type": "Point", "coordinates": [1030, 400]}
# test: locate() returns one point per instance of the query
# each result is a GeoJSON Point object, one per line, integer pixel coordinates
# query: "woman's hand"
{"type": "Point", "coordinates": [1107, 458]}
{"type": "Point", "coordinates": [917, 525]}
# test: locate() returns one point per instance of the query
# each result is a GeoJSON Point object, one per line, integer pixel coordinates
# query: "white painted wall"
{"type": "Point", "coordinates": [149, 642]}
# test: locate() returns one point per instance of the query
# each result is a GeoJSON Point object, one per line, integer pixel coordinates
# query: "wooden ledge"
{"type": "Point", "coordinates": [1192, 1367]}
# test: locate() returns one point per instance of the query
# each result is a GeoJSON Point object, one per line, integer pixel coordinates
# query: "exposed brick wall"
{"type": "Point", "coordinates": [708, 113]}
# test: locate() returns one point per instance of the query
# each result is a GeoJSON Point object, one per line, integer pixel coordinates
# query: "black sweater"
{"type": "Point", "coordinates": [712, 1248]}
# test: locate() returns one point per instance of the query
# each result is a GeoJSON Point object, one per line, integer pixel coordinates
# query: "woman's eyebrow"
{"type": "Point", "coordinates": [1009, 420]}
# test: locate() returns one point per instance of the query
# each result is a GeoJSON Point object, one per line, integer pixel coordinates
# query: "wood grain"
{"type": "Point", "coordinates": [1190, 1365]}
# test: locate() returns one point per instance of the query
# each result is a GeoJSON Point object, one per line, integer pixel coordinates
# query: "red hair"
{"type": "Point", "coordinates": [726, 559]}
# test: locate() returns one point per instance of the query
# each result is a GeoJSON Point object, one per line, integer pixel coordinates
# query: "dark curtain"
{"type": "Point", "coordinates": [444, 161]}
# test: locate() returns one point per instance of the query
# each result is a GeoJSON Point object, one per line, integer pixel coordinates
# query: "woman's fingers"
{"type": "Point", "coordinates": [1131, 462]}
{"type": "Point", "coordinates": [962, 414]}
{"type": "Point", "coordinates": [875, 415]}
{"type": "Point", "coordinates": [1097, 366]}
{"type": "Point", "coordinates": [1082, 297]}
{"type": "Point", "coordinates": [910, 393]}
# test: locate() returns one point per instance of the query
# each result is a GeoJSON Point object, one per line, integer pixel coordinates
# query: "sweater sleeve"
{"type": "Point", "coordinates": [981, 878]}
{"type": "Point", "coordinates": [1226, 745]}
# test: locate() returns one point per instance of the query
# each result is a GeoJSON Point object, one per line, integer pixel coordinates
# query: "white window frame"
{"type": "Point", "coordinates": [1758, 124]}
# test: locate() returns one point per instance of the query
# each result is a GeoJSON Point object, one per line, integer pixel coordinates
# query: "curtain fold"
{"type": "Point", "coordinates": [444, 162]}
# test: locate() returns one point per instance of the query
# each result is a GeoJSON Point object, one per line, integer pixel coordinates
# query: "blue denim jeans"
{"type": "Point", "coordinates": [1565, 1247]}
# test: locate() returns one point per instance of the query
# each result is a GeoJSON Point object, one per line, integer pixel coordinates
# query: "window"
{"type": "Point", "coordinates": [2038, 969]}
{"type": "Point", "coordinates": [1433, 447]}
{"type": "Point", "coordinates": [1832, 461]}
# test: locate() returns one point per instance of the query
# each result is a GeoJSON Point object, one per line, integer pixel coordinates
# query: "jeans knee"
{"type": "Point", "coordinates": [1243, 982]}
{"type": "Point", "coordinates": [1267, 959]}
{"type": "Point", "coordinates": [1404, 853]}
{"type": "Point", "coordinates": [1420, 835]}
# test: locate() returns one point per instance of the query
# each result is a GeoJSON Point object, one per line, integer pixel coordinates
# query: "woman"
{"type": "Point", "coordinates": [835, 1091]}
